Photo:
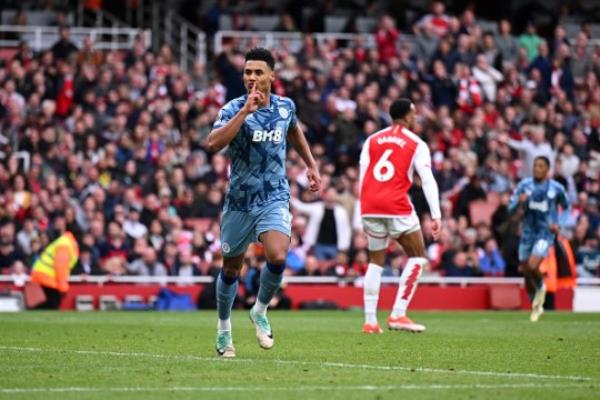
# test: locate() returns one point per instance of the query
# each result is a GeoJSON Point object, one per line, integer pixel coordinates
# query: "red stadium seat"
{"type": "Point", "coordinates": [7, 53]}
{"type": "Point", "coordinates": [201, 224]}
{"type": "Point", "coordinates": [482, 211]}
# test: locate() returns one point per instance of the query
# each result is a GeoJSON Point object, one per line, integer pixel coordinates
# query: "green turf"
{"type": "Point", "coordinates": [317, 355]}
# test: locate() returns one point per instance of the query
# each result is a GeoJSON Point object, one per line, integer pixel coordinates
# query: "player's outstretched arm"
{"type": "Point", "coordinates": [430, 188]}
{"type": "Point", "coordinates": [299, 143]}
{"type": "Point", "coordinates": [519, 197]}
{"type": "Point", "coordinates": [220, 137]}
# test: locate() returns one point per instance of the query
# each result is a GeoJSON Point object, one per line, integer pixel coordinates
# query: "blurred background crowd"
{"type": "Point", "coordinates": [110, 144]}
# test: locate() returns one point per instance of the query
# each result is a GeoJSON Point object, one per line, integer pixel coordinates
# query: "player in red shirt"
{"type": "Point", "coordinates": [387, 163]}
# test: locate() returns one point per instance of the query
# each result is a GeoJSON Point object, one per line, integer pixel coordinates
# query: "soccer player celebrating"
{"type": "Point", "coordinates": [538, 199]}
{"type": "Point", "coordinates": [387, 162]}
{"type": "Point", "coordinates": [256, 127]}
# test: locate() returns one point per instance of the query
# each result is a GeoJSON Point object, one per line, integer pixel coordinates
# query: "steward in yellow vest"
{"type": "Point", "coordinates": [52, 270]}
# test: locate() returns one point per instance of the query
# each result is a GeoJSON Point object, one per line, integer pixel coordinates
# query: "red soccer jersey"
{"type": "Point", "coordinates": [387, 163]}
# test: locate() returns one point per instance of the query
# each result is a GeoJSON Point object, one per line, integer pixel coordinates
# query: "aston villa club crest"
{"type": "Point", "coordinates": [283, 113]}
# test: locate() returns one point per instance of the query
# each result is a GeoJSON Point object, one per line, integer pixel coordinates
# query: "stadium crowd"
{"type": "Point", "coordinates": [110, 146]}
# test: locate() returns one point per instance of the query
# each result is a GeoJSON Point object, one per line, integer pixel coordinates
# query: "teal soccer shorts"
{"type": "Point", "coordinates": [240, 228]}
{"type": "Point", "coordinates": [538, 246]}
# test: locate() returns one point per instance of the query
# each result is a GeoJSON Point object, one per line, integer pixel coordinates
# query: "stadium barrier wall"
{"type": "Point", "coordinates": [427, 297]}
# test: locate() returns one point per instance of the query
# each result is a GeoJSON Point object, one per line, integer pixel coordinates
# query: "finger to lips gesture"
{"type": "Point", "coordinates": [255, 99]}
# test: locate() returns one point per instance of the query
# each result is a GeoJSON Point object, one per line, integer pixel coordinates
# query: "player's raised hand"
{"type": "Point", "coordinates": [254, 100]}
{"type": "Point", "coordinates": [314, 179]}
{"type": "Point", "coordinates": [436, 228]}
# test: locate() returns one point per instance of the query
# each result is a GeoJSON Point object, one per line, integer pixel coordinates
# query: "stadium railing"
{"type": "Point", "coordinates": [188, 41]}
{"type": "Point", "coordinates": [293, 40]}
{"type": "Point", "coordinates": [274, 40]}
{"type": "Point", "coordinates": [43, 37]}
{"type": "Point", "coordinates": [432, 280]}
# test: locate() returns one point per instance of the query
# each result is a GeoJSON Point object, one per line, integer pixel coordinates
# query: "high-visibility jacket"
{"type": "Point", "coordinates": [53, 267]}
{"type": "Point", "coordinates": [550, 269]}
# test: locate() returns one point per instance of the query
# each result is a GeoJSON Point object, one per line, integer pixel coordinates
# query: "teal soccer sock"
{"type": "Point", "coordinates": [270, 281]}
{"type": "Point", "coordinates": [226, 291]}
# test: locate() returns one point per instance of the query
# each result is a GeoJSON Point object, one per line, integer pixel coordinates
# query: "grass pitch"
{"type": "Point", "coordinates": [317, 355]}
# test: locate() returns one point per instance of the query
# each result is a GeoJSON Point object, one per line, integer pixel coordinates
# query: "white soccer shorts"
{"type": "Point", "coordinates": [380, 229]}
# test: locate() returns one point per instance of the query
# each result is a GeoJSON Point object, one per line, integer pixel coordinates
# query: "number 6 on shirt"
{"type": "Point", "coordinates": [384, 170]}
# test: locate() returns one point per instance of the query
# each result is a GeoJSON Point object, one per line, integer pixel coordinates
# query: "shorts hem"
{"type": "Point", "coordinates": [286, 232]}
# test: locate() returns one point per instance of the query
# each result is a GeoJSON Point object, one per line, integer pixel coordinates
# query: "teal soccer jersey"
{"type": "Point", "coordinates": [541, 207]}
{"type": "Point", "coordinates": [541, 211]}
{"type": "Point", "coordinates": [258, 154]}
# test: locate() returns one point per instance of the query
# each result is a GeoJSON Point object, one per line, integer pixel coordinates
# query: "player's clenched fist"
{"type": "Point", "coordinates": [436, 228]}
{"type": "Point", "coordinates": [314, 179]}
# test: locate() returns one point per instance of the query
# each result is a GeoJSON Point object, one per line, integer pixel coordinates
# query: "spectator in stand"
{"type": "Point", "coordinates": [569, 162]}
{"type": "Point", "coordinates": [230, 65]}
{"type": "Point", "coordinates": [469, 96]}
{"type": "Point", "coordinates": [26, 235]}
{"type": "Point", "coordinates": [64, 47]}
{"type": "Point", "coordinates": [542, 63]}
{"type": "Point", "coordinates": [588, 257]}
{"type": "Point", "coordinates": [465, 49]}
{"type": "Point", "coordinates": [462, 266]}
{"type": "Point", "coordinates": [386, 38]}
{"type": "Point", "coordinates": [426, 43]}
{"type": "Point", "coordinates": [147, 265]}
{"type": "Point", "coordinates": [114, 252]}
{"type": "Point", "coordinates": [9, 254]}
{"type": "Point", "coordinates": [583, 55]}
{"type": "Point", "coordinates": [88, 55]}
{"type": "Point", "coordinates": [437, 19]}
{"type": "Point", "coordinates": [507, 44]}
{"type": "Point", "coordinates": [19, 275]}
{"type": "Point", "coordinates": [443, 90]}
{"type": "Point", "coordinates": [187, 264]}
{"type": "Point", "coordinates": [530, 41]}
{"type": "Point", "coordinates": [87, 264]}
{"type": "Point", "coordinates": [132, 226]}
{"type": "Point", "coordinates": [468, 24]}
{"type": "Point", "coordinates": [490, 260]}
{"type": "Point", "coordinates": [471, 191]}
{"type": "Point", "coordinates": [530, 149]}
{"type": "Point", "coordinates": [487, 76]}
{"type": "Point", "coordinates": [447, 55]}
{"type": "Point", "coordinates": [312, 267]}
{"type": "Point", "coordinates": [327, 230]}
{"type": "Point", "coordinates": [559, 39]}
{"type": "Point", "coordinates": [491, 52]}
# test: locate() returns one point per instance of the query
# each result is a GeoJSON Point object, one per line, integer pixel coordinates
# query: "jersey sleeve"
{"type": "Point", "coordinates": [563, 199]}
{"type": "Point", "coordinates": [294, 120]}
{"type": "Point", "coordinates": [422, 163]}
{"type": "Point", "coordinates": [227, 112]}
{"type": "Point", "coordinates": [514, 199]}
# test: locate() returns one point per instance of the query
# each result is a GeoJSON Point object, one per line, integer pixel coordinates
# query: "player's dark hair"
{"type": "Point", "coordinates": [544, 159]}
{"type": "Point", "coordinates": [261, 54]}
{"type": "Point", "coordinates": [400, 108]}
